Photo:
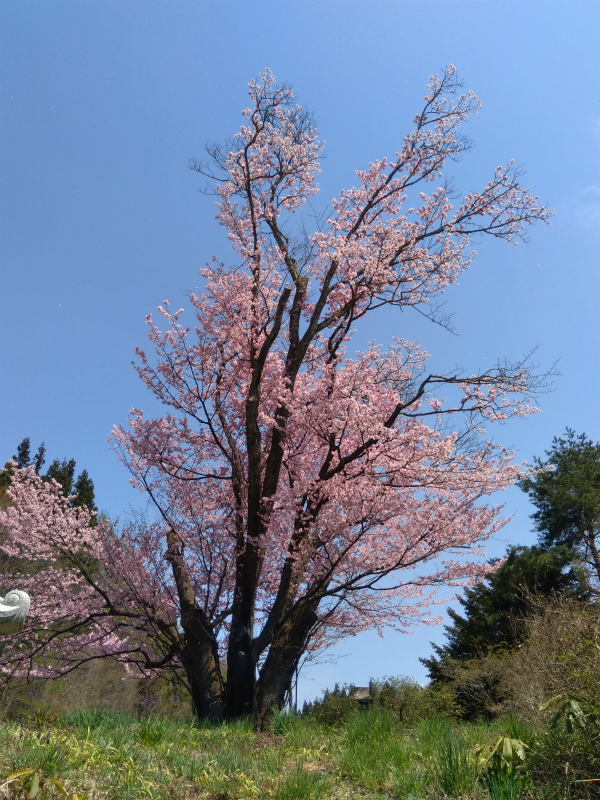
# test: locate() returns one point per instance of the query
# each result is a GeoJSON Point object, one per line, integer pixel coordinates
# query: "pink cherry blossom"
{"type": "Point", "coordinates": [297, 486]}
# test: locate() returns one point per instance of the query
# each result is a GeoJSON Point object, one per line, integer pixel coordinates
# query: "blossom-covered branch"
{"type": "Point", "coordinates": [297, 487]}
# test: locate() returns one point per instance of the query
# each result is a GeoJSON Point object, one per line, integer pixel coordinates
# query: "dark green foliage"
{"type": "Point", "coordinates": [84, 494]}
{"type": "Point", "coordinates": [63, 472]}
{"type": "Point", "coordinates": [568, 497]}
{"type": "Point", "coordinates": [334, 707]}
{"type": "Point", "coordinates": [84, 490]}
{"type": "Point", "coordinates": [23, 457]}
{"type": "Point", "coordinates": [39, 458]}
{"type": "Point", "coordinates": [494, 608]}
{"type": "Point", "coordinates": [475, 684]}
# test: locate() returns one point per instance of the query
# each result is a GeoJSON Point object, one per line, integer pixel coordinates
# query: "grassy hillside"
{"type": "Point", "coordinates": [122, 757]}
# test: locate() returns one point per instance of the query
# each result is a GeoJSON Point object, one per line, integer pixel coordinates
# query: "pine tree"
{"type": "Point", "coordinates": [63, 472]}
{"type": "Point", "coordinates": [567, 498]}
{"type": "Point", "coordinates": [494, 608]}
{"type": "Point", "coordinates": [40, 458]}
{"type": "Point", "coordinates": [84, 494]}
{"type": "Point", "coordinates": [23, 457]}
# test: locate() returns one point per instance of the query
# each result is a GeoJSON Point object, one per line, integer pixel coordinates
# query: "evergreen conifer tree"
{"type": "Point", "coordinates": [567, 498]}
{"type": "Point", "coordinates": [493, 609]}
{"type": "Point", "coordinates": [23, 457]}
{"type": "Point", "coordinates": [63, 472]}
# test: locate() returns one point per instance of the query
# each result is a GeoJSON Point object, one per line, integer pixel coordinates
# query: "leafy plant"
{"type": "Point", "coordinates": [36, 783]}
{"type": "Point", "coordinates": [574, 712]}
{"type": "Point", "coordinates": [506, 752]}
{"type": "Point", "coordinates": [500, 764]}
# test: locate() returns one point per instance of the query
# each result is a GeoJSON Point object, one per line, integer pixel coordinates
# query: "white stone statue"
{"type": "Point", "coordinates": [13, 611]}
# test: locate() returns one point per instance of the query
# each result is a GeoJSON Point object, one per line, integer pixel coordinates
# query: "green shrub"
{"type": "Point", "coordinates": [401, 697]}
{"type": "Point", "coordinates": [408, 701]}
{"type": "Point", "coordinates": [334, 707]}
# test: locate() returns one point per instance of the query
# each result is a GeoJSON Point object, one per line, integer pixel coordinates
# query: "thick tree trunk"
{"type": "Point", "coordinates": [199, 653]}
{"type": "Point", "coordinates": [287, 648]}
{"type": "Point", "coordinates": [200, 660]}
{"type": "Point", "coordinates": [241, 665]}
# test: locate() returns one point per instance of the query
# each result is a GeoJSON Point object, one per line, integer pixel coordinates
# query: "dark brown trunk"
{"type": "Point", "coordinates": [287, 648]}
{"type": "Point", "coordinates": [241, 667]}
{"type": "Point", "coordinates": [241, 664]}
{"type": "Point", "coordinates": [200, 660]}
{"type": "Point", "coordinates": [199, 654]}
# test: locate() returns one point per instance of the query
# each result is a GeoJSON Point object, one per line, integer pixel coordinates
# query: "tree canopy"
{"type": "Point", "coordinates": [296, 487]}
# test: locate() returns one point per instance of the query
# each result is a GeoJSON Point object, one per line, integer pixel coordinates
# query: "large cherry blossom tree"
{"type": "Point", "coordinates": [303, 493]}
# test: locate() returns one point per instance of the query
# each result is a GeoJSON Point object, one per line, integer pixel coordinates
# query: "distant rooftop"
{"type": "Point", "coordinates": [362, 694]}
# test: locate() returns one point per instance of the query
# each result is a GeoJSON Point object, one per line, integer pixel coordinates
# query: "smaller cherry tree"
{"type": "Point", "coordinates": [91, 589]}
{"type": "Point", "coordinates": [297, 488]}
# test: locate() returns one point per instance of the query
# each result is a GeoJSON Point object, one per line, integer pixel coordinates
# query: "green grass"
{"type": "Point", "coordinates": [456, 769]}
{"type": "Point", "coordinates": [113, 756]}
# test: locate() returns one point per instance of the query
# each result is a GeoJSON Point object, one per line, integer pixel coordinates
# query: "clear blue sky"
{"type": "Point", "coordinates": [103, 103]}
